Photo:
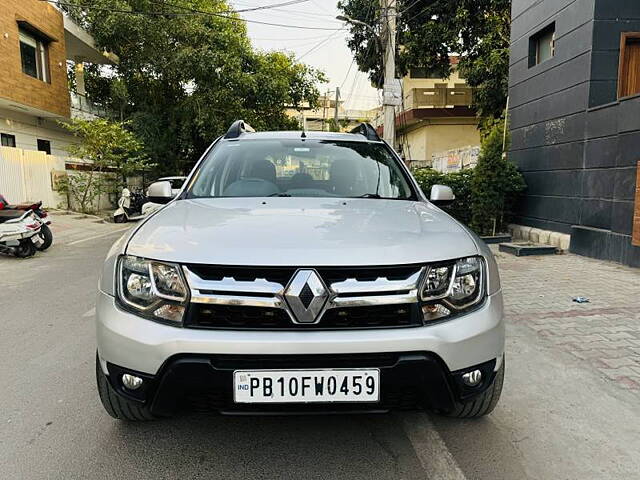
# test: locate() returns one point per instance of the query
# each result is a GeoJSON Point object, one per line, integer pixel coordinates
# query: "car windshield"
{"type": "Point", "coordinates": [300, 168]}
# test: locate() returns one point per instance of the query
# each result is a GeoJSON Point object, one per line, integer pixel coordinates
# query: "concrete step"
{"type": "Point", "coordinates": [527, 249]}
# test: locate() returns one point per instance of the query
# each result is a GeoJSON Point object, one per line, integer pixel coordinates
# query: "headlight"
{"type": "Point", "coordinates": [152, 289]}
{"type": "Point", "coordinates": [452, 287]}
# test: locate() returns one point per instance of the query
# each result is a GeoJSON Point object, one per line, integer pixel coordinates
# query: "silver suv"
{"type": "Point", "coordinates": [299, 272]}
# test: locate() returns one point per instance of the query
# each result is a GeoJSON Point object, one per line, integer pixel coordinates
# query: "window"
{"type": "Point", "coordinates": [34, 55]}
{"type": "Point", "coordinates": [629, 71]}
{"type": "Point", "coordinates": [44, 146]}
{"type": "Point", "coordinates": [7, 140]}
{"type": "Point", "coordinates": [300, 168]}
{"type": "Point", "coordinates": [421, 72]}
{"type": "Point", "coordinates": [542, 45]}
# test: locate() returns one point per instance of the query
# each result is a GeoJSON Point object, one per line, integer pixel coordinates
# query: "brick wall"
{"type": "Point", "coordinates": [14, 84]}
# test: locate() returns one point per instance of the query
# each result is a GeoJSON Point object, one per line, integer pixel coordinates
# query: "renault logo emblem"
{"type": "Point", "coordinates": [306, 295]}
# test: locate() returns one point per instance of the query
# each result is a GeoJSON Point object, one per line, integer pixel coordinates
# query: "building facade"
{"type": "Point", "coordinates": [436, 116]}
{"type": "Point", "coordinates": [36, 42]}
{"type": "Point", "coordinates": [321, 117]}
{"type": "Point", "coordinates": [574, 97]}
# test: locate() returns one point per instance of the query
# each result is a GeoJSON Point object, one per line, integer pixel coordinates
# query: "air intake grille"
{"type": "Point", "coordinates": [259, 318]}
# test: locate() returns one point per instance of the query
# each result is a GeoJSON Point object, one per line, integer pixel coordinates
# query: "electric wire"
{"type": "Point", "coordinates": [318, 45]}
{"type": "Point", "coordinates": [348, 71]}
{"type": "Point", "coordinates": [192, 12]}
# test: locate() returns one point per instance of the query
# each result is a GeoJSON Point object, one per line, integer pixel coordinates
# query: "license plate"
{"type": "Point", "coordinates": [306, 386]}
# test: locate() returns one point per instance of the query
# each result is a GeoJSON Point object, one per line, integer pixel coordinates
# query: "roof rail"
{"type": "Point", "coordinates": [368, 131]}
{"type": "Point", "coordinates": [238, 127]}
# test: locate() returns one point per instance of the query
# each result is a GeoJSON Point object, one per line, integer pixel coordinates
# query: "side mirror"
{"type": "Point", "coordinates": [441, 195]}
{"type": "Point", "coordinates": [160, 192]}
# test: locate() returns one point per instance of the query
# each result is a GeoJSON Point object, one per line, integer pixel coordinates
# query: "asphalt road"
{"type": "Point", "coordinates": [554, 420]}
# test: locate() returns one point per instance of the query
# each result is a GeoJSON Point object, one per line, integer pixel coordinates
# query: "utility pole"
{"type": "Point", "coordinates": [335, 111]}
{"type": "Point", "coordinates": [392, 92]}
{"type": "Point", "coordinates": [324, 109]}
{"type": "Point", "coordinates": [390, 100]}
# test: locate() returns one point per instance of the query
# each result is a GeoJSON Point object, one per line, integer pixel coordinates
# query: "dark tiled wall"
{"type": "Point", "coordinates": [575, 145]}
{"type": "Point", "coordinates": [611, 19]}
{"type": "Point", "coordinates": [612, 151]}
{"type": "Point", "coordinates": [548, 104]}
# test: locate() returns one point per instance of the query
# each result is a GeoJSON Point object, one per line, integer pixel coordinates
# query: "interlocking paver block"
{"type": "Point", "coordinates": [604, 333]}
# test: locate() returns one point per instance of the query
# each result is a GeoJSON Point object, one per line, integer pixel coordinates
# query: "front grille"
{"type": "Point", "coordinates": [255, 298]}
{"type": "Point", "coordinates": [367, 274]}
{"type": "Point", "coordinates": [282, 275]}
{"type": "Point", "coordinates": [380, 316]}
{"type": "Point", "coordinates": [235, 317]}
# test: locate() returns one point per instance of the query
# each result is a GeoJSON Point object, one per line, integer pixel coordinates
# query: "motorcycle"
{"type": "Point", "coordinates": [19, 232]}
{"type": "Point", "coordinates": [129, 206]}
{"type": "Point", "coordinates": [44, 217]}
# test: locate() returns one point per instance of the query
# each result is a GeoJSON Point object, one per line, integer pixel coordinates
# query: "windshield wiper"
{"type": "Point", "coordinates": [280, 195]}
{"type": "Point", "coordinates": [377, 196]}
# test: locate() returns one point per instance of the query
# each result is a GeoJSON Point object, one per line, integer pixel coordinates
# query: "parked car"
{"type": "Point", "coordinates": [299, 272]}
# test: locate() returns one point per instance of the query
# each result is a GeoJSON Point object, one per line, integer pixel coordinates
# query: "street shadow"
{"type": "Point", "coordinates": [324, 447]}
{"type": "Point", "coordinates": [481, 447]}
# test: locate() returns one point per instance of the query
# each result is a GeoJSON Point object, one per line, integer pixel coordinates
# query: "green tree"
{"type": "Point", "coordinates": [460, 183]}
{"type": "Point", "coordinates": [495, 186]}
{"type": "Point", "coordinates": [111, 153]}
{"type": "Point", "coordinates": [431, 30]}
{"type": "Point", "coordinates": [184, 77]}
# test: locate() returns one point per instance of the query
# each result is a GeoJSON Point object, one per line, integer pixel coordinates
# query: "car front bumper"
{"type": "Point", "coordinates": [145, 346]}
{"type": "Point", "coordinates": [408, 380]}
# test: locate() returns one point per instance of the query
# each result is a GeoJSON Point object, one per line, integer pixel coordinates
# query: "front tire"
{"type": "Point", "coordinates": [117, 406]}
{"type": "Point", "coordinates": [25, 249]}
{"type": "Point", "coordinates": [122, 218]}
{"type": "Point", "coordinates": [47, 237]}
{"type": "Point", "coordinates": [482, 404]}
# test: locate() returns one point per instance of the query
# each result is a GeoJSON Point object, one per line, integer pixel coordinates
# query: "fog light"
{"type": "Point", "coordinates": [471, 379]}
{"type": "Point", "coordinates": [131, 381]}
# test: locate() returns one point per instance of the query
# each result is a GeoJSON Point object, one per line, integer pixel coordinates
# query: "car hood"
{"type": "Point", "coordinates": [300, 232]}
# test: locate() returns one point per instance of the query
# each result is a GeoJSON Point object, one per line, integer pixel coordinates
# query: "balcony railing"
{"type": "Point", "coordinates": [440, 97]}
{"type": "Point", "coordinates": [82, 107]}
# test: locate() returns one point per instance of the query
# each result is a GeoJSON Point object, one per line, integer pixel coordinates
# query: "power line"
{"type": "Point", "coordinates": [318, 45]}
{"type": "Point", "coordinates": [274, 5]}
{"type": "Point", "coordinates": [191, 12]}
{"type": "Point", "coordinates": [356, 78]}
{"type": "Point", "coordinates": [300, 12]}
{"type": "Point", "coordinates": [259, 9]}
{"type": "Point", "coordinates": [408, 7]}
{"type": "Point", "coordinates": [289, 39]}
{"type": "Point", "coordinates": [242, 10]}
{"type": "Point", "coordinates": [348, 71]}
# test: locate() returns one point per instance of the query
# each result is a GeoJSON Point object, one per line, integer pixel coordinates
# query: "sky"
{"type": "Point", "coordinates": [323, 49]}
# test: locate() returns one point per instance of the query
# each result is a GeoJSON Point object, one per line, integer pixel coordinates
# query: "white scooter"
{"type": "Point", "coordinates": [129, 207]}
{"type": "Point", "coordinates": [20, 232]}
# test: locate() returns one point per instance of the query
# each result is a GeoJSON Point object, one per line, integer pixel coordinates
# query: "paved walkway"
{"type": "Point", "coordinates": [604, 333]}
{"type": "Point", "coordinates": [76, 228]}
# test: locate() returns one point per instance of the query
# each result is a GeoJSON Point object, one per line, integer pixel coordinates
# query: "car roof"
{"type": "Point", "coordinates": [298, 134]}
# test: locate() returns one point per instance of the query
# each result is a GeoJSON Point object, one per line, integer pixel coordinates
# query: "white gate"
{"type": "Point", "coordinates": [26, 175]}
